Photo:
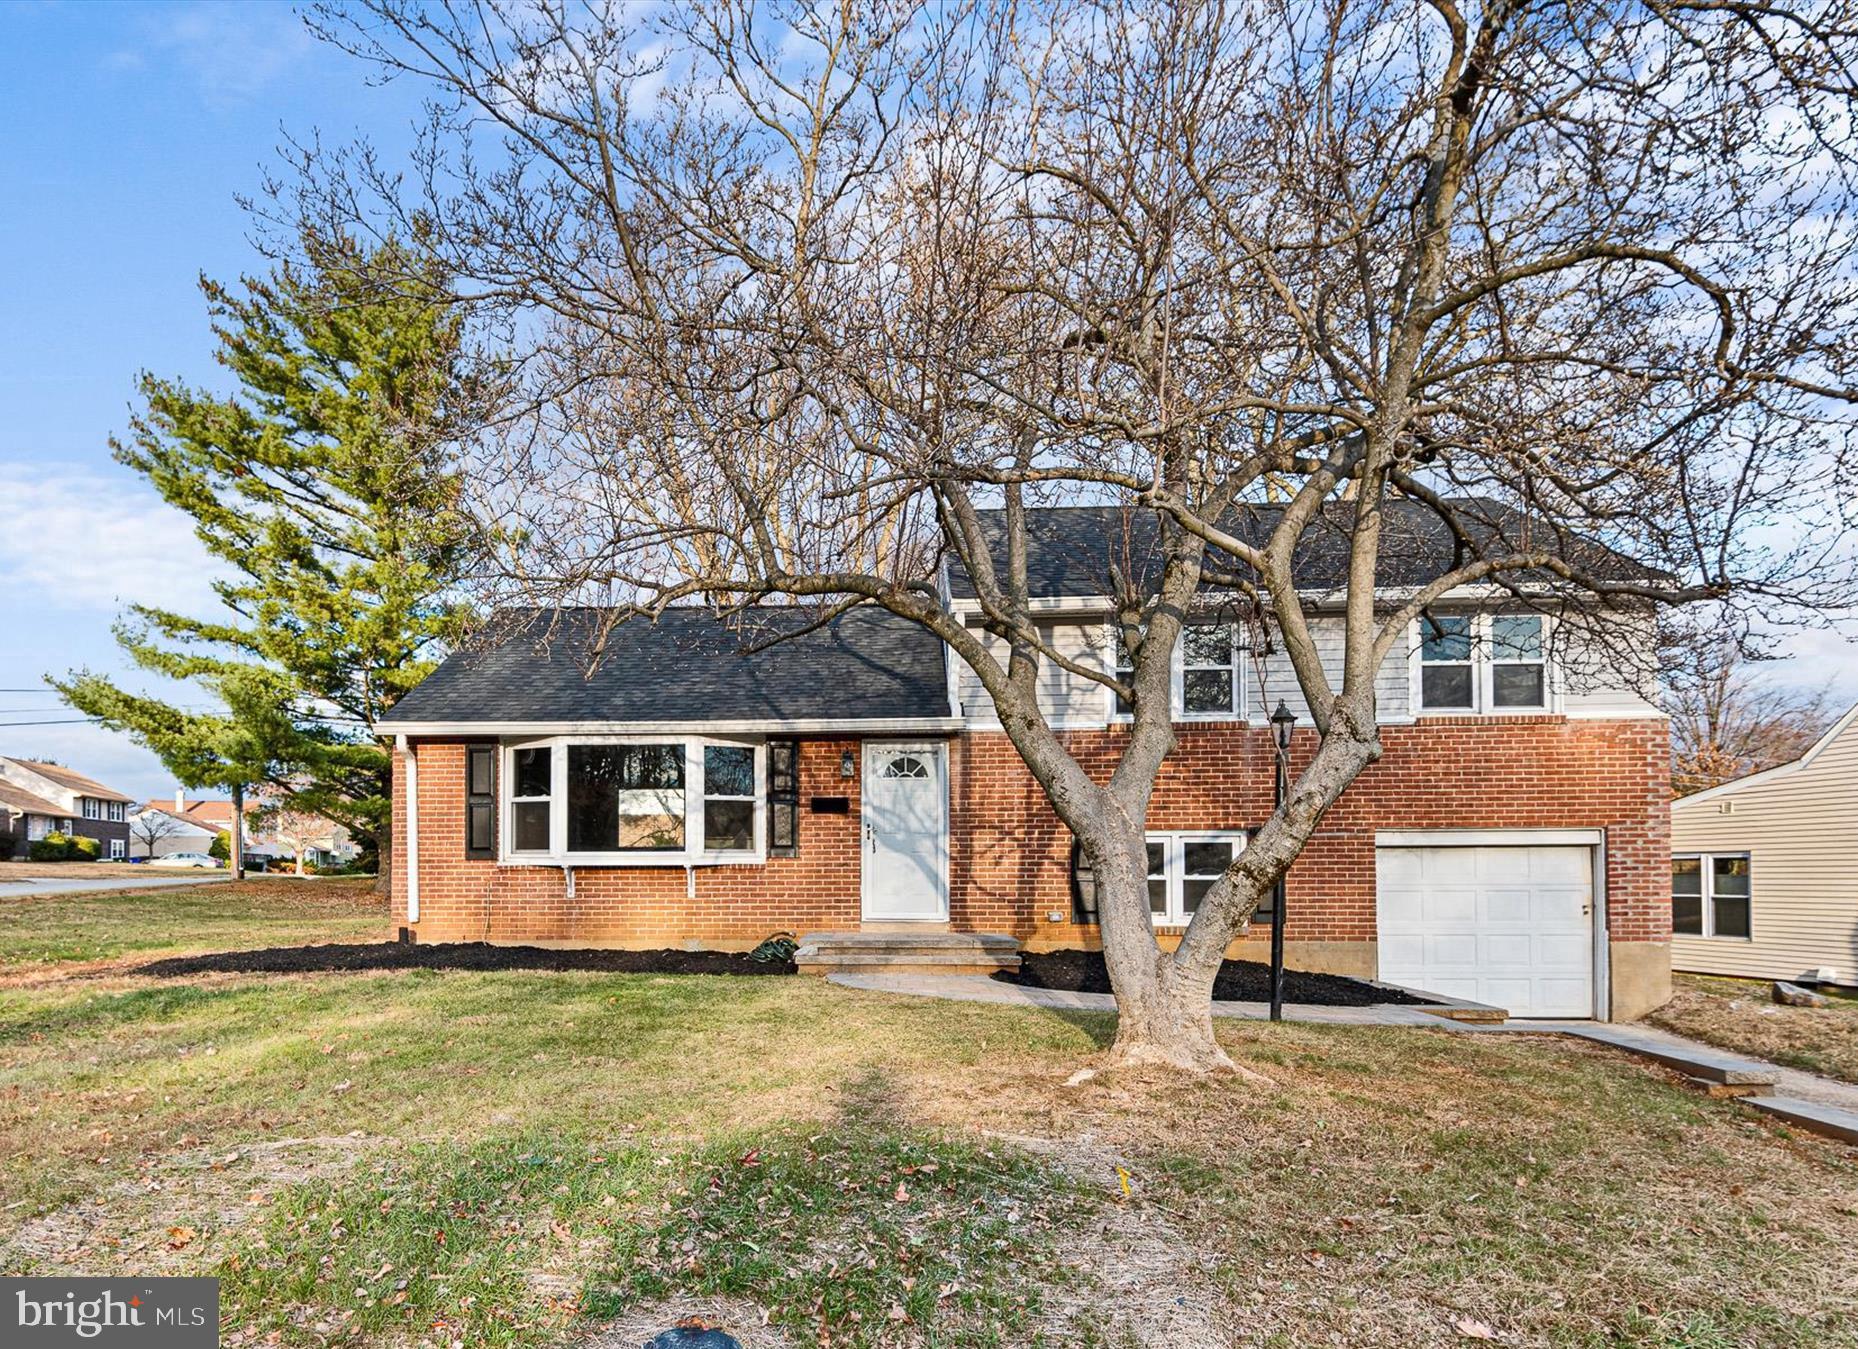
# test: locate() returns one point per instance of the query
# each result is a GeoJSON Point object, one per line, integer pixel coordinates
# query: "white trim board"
{"type": "Point", "coordinates": [847, 726]}
{"type": "Point", "coordinates": [1488, 838]}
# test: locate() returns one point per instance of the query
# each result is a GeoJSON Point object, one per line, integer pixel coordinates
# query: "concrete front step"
{"type": "Point", "coordinates": [1812, 1116]}
{"type": "Point", "coordinates": [931, 951]}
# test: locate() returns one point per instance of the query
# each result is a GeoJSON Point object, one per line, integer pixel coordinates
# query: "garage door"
{"type": "Point", "coordinates": [1511, 926]}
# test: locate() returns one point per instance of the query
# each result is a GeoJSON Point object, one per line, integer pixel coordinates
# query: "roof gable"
{"type": "Point", "coordinates": [1845, 725]}
{"type": "Point", "coordinates": [61, 776]}
{"type": "Point", "coordinates": [17, 798]}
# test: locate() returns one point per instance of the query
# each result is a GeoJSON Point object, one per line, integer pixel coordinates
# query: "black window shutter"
{"type": "Point", "coordinates": [480, 801]}
{"type": "Point", "coordinates": [784, 798]}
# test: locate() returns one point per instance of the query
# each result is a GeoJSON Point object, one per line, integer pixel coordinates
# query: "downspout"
{"type": "Point", "coordinates": [411, 761]}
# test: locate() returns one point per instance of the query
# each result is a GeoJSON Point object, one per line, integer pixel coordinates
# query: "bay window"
{"type": "Point", "coordinates": [647, 800]}
{"type": "Point", "coordinates": [532, 788]}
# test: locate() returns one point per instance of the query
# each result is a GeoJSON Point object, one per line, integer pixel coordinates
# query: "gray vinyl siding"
{"type": "Point", "coordinates": [1583, 677]}
{"type": "Point", "coordinates": [1799, 832]}
{"type": "Point", "coordinates": [1065, 698]}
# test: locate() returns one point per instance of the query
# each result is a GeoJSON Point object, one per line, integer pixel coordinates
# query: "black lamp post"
{"type": "Point", "coordinates": [1282, 721]}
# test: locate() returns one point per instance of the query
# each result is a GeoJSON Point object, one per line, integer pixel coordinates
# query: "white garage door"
{"type": "Point", "coordinates": [1511, 926]}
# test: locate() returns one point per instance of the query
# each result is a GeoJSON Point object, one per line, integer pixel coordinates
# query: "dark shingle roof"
{"type": "Point", "coordinates": [687, 666]}
{"type": "Point", "coordinates": [1072, 550]}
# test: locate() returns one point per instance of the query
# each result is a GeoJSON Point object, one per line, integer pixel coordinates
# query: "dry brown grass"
{"type": "Point", "coordinates": [1741, 1015]}
{"type": "Point", "coordinates": [1393, 1186]}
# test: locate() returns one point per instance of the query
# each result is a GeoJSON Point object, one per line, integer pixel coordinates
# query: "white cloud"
{"type": "Point", "coordinates": [86, 541]}
{"type": "Point", "coordinates": [232, 52]}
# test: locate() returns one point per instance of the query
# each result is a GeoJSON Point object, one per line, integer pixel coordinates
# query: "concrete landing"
{"type": "Point", "coordinates": [929, 949]}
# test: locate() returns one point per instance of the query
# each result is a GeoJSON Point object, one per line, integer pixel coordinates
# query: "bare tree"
{"type": "Point", "coordinates": [1727, 722]}
{"type": "Point", "coordinates": [807, 296]}
{"type": "Point", "coordinates": [150, 828]}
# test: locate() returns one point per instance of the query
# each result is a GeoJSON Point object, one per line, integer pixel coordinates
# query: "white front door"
{"type": "Point", "coordinates": [1507, 925]}
{"type": "Point", "coordinates": [905, 812]}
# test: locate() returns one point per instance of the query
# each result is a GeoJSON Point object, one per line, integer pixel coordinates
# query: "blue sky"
{"type": "Point", "coordinates": [127, 131]}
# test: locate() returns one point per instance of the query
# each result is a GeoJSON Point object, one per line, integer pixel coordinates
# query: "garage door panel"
{"type": "Point", "coordinates": [1500, 924]}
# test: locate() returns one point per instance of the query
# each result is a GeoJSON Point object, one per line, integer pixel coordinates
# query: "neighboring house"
{"type": "Point", "coordinates": [1764, 870]}
{"type": "Point", "coordinates": [709, 788]}
{"type": "Point", "coordinates": [268, 835]}
{"type": "Point", "coordinates": [85, 806]}
{"type": "Point", "coordinates": [155, 832]}
{"type": "Point", "coordinates": [25, 817]}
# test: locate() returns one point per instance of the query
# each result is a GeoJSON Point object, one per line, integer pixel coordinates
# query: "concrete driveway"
{"type": "Point", "coordinates": [31, 889]}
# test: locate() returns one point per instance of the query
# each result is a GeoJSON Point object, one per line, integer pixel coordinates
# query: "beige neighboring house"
{"type": "Point", "coordinates": [1764, 870]}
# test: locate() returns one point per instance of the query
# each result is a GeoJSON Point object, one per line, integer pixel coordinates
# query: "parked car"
{"type": "Point", "coordinates": [187, 859]}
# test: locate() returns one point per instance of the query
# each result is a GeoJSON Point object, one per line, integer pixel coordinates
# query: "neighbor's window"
{"type": "Point", "coordinates": [1210, 670]}
{"type": "Point", "coordinates": [531, 783]}
{"type": "Point", "coordinates": [93, 808]}
{"type": "Point", "coordinates": [626, 798]}
{"type": "Point", "coordinates": [728, 798]}
{"type": "Point", "coordinates": [119, 811]}
{"type": "Point", "coordinates": [1517, 673]}
{"type": "Point", "coordinates": [1710, 895]}
{"type": "Point", "coordinates": [1445, 672]}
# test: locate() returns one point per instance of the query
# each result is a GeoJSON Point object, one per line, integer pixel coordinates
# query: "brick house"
{"type": "Point", "coordinates": [82, 806]}
{"type": "Point", "coordinates": [706, 787]}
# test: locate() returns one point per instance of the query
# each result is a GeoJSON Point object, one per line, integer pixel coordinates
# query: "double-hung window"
{"type": "Point", "coordinates": [1482, 663]}
{"type": "Point", "coordinates": [1210, 670]}
{"type": "Point", "coordinates": [1209, 674]}
{"type": "Point", "coordinates": [531, 778]}
{"type": "Point", "coordinates": [728, 798]}
{"type": "Point", "coordinates": [1710, 895]}
{"type": "Point", "coordinates": [92, 807]}
{"type": "Point", "coordinates": [119, 811]}
{"type": "Point", "coordinates": [1182, 867]}
{"type": "Point", "coordinates": [116, 850]}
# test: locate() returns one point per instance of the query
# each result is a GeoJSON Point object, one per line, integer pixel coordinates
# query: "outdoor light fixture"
{"type": "Point", "coordinates": [1282, 722]}
{"type": "Point", "coordinates": [847, 764]}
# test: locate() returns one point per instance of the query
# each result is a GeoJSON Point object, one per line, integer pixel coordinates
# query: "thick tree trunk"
{"type": "Point", "coordinates": [1163, 1017]}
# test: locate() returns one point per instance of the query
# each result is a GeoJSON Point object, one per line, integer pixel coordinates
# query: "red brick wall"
{"type": "Point", "coordinates": [1009, 855]}
{"type": "Point", "coordinates": [734, 908]}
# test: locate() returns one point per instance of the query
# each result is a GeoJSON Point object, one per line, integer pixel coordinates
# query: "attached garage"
{"type": "Point", "coordinates": [1501, 919]}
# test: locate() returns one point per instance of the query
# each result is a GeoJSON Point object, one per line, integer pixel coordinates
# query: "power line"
{"type": "Point", "coordinates": [69, 721]}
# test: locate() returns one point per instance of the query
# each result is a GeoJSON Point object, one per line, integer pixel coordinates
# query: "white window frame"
{"type": "Point", "coordinates": [1174, 867]}
{"type": "Point", "coordinates": [118, 812]}
{"type": "Point", "coordinates": [693, 853]}
{"type": "Point", "coordinates": [1177, 675]}
{"type": "Point", "coordinates": [1706, 870]}
{"type": "Point", "coordinates": [90, 807]}
{"type": "Point", "coordinates": [1483, 669]}
{"type": "Point", "coordinates": [117, 849]}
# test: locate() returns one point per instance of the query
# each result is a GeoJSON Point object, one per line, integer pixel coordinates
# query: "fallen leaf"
{"type": "Point", "coordinates": [1472, 1329]}
{"type": "Point", "coordinates": [179, 1237]}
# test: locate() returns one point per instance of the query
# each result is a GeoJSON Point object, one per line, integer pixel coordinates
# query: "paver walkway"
{"type": "Point", "coordinates": [1802, 1098]}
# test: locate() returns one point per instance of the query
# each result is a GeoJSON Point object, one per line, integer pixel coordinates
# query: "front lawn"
{"type": "Point", "coordinates": [36, 931]}
{"type": "Point", "coordinates": [511, 1157]}
{"type": "Point", "coordinates": [1741, 1015]}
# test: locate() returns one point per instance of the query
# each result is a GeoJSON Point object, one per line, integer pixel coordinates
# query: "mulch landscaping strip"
{"type": "Point", "coordinates": [460, 956]}
{"type": "Point", "coordinates": [1238, 981]}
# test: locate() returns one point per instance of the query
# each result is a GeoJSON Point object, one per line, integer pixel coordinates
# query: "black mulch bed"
{"type": "Point", "coordinates": [1239, 981]}
{"type": "Point", "coordinates": [461, 956]}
